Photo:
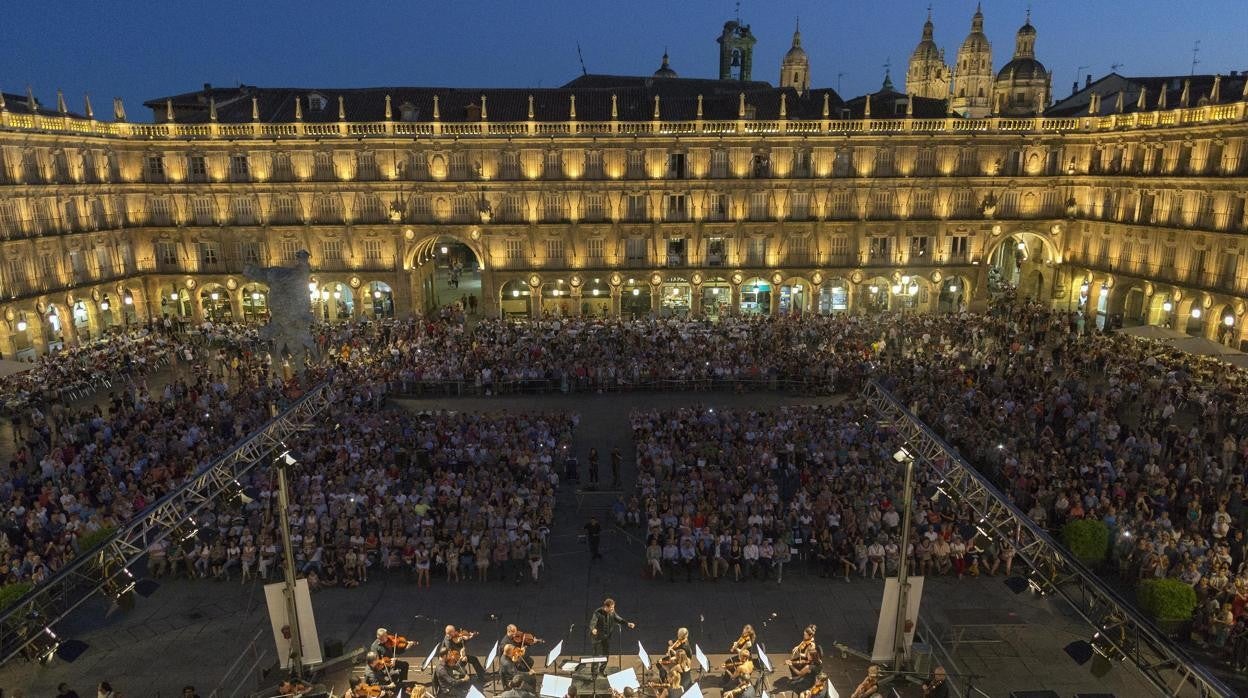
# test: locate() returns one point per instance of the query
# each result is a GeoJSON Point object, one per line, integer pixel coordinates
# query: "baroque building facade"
{"type": "Point", "coordinates": [619, 196]}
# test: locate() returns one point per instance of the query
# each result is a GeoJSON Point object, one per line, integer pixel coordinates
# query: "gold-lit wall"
{"type": "Point", "coordinates": [1135, 207]}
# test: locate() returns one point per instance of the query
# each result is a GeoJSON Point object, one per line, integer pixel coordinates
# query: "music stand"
{"type": "Point", "coordinates": [702, 661]}
{"type": "Point", "coordinates": [554, 653]}
{"type": "Point", "coordinates": [643, 656]}
{"type": "Point", "coordinates": [767, 670]}
{"type": "Point", "coordinates": [554, 686]}
{"type": "Point", "coordinates": [429, 660]}
{"type": "Point", "coordinates": [694, 692]}
{"type": "Point", "coordinates": [474, 692]}
{"type": "Point", "coordinates": [626, 678]}
{"type": "Point", "coordinates": [490, 660]}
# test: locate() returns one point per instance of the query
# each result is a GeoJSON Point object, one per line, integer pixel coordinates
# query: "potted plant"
{"type": "Point", "coordinates": [1087, 540]}
{"type": "Point", "coordinates": [1169, 602]}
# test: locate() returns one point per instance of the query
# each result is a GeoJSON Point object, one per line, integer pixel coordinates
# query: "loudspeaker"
{"type": "Point", "coordinates": [1080, 651]}
{"type": "Point", "coordinates": [333, 648]}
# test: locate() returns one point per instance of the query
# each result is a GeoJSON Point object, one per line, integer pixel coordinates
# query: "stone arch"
{"type": "Point", "coordinates": [214, 301]}
{"type": "Point", "coordinates": [1218, 328]}
{"type": "Point", "coordinates": [428, 246]}
{"type": "Point", "coordinates": [255, 302]}
{"type": "Point", "coordinates": [953, 293]}
{"type": "Point", "coordinates": [378, 299]}
{"type": "Point", "coordinates": [797, 295]}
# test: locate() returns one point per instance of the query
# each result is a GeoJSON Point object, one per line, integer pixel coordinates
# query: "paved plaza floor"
{"type": "Point", "coordinates": [189, 632]}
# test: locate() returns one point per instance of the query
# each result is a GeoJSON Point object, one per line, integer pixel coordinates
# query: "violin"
{"type": "Point", "coordinates": [514, 652]}
{"type": "Point", "coordinates": [451, 658]}
{"type": "Point", "coordinates": [821, 683]}
{"type": "Point", "coordinates": [743, 642]}
{"type": "Point", "coordinates": [397, 643]}
{"type": "Point", "coordinates": [366, 691]}
{"type": "Point", "coordinates": [462, 635]}
{"type": "Point", "coordinates": [383, 663]}
{"type": "Point", "coordinates": [523, 639]}
{"type": "Point", "coordinates": [293, 688]}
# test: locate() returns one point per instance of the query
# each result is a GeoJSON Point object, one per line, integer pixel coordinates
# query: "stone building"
{"type": "Point", "coordinates": [619, 195]}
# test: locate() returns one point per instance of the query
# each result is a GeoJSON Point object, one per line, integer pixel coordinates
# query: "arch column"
{"type": "Point", "coordinates": [734, 298]}
{"type": "Point", "coordinates": [197, 305]}
{"type": "Point", "coordinates": [68, 331]}
{"type": "Point", "coordinates": [488, 302]}
{"type": "Point", "coordinates": [575, 295]}
{"type": "Point", "coordinates": [617, 294]}
{"type": "Point", "coordinates": [656, 299]}
{"type": "Point", "coordinates": [7, 351]}
{"type": "Point", "coordinates": [535, 300]}
{"type": "Point", "coordinates": [695, 300]}
{"type": "Point", "coordinates": [37, 333]}
{"type": "Point", "coordinates": [979, 299]}
{"type": "Point", "coordinates": [361, 297]}
{"type": "Point", "coordinates": [773, 299]}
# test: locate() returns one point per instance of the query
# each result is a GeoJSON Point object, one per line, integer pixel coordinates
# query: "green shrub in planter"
{"type": "Point", "coordinates": [1166, 600]}
{"type": "Point", "coordinates": [94, 538]}
{"type": "Point", "coordinates": [10, 593]}
{"type": "Point", "coordinates": [1087, 539]}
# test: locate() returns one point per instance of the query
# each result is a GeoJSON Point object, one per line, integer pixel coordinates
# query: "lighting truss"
{"type": "Point", "coordinates": [1116, 624]}
{"type": "Point", "coordinates": [105, 568]}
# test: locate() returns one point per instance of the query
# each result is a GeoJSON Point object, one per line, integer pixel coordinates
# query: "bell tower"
{"type": "Point", "coordinates": [795, 68]}
{"type": "Point", "coordinates": [736, 51]}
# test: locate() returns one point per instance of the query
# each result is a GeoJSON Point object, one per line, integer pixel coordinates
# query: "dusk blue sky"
{"type": "Point", "coordinates": [142, 50]}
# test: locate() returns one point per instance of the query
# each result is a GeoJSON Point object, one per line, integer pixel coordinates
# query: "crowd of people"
{"type": "Point", "coordinates": [457, 496]}
{"type": "Point", "coordinates": [738, 495]}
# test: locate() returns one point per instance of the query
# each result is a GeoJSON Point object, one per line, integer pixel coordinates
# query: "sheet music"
{"type": "Point", "coordinates": [493, 653]}
{"type": "Point", "coordinates": [624, 679]}
{"type": "Point", "coordinates": [429, 660]}
{"type": "Point", "coordinates": [762, 657]}
{"type": "Point", "coordinates": [643, 656]}
{"type": "Point", "coordinates": [554, 653]}
{"type": "Point", "coordinates": [473, 692]}
{"type": "Point", "coordinates": [693, 692]}
{"type": "Point", "coordinates": [706, 666]}
{"type": "Point", "coordinates": [555, 686]}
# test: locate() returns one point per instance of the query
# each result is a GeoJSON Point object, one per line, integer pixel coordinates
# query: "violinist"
{"type": "Point", "coordinates": [681, 642]}
{"type": "Point", "coordinates": [291, 688]}
{"type": "Point", "coordinates": [449, 678]}
{"type": "Point", "coordinates": [745, 642]}
{"type": "Point", "coordinates": [671, 686]}
{"type": "Point", "coordinates": [389, 645]}
{"type": "Point", "coordinates": [870, 685]}
{"type": "Point", "coordinates": [743, 689]}
{"type": "Point", "coordinates": [378, 672]}
{"type": "Point", "coordinates": [936, 686]}
{"type": "Point", "coordinates": [520, 638]}
{"type": "Point", "coordinates": [819, 689]}
{"type": "Point", "coordinates": [800, 658]}
{"type": "Point", "coordinates": [515, 663]}
{"type": "Point", "coordinates": [737, 669]}
{"type": "Point", "coordinates": [806, 670]}
{"type": "Point", "coordinates": [457, 639]}
{"type": "Point", "coordinates": [359, 689]}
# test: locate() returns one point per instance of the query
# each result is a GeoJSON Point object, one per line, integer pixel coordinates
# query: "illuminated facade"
{"type": "Point", "coordinates": [619, 195]}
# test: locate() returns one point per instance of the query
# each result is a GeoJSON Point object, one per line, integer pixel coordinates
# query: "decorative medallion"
{"type": "Point", "coordinates": [817, 278]}
{"type": "Point", "coordinates": [355, 282]}
{"type": "Point", "coordinates": [937, 276]}
{"type": "Point", "coordinates": [190, 283]}
{"type": "Point", "coordinates": [576, 281]}
{"type": "Point", "coordinates": [776, 278]}
{"type": "Point", "coordinates": [615, 279]}
{"type": "Point", "coordinates": [737, 278]}
{"type": "Point", "coordinates": [231, 284]}
{"type": "Point", "coordinates": [535, 280]}
{"type": "Point", "coordinates": [656, 278]}
{"type": "Point", "coordinates": [856, 277]}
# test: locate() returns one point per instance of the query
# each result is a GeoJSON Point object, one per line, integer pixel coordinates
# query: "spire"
{"type": "Point", "coordinates": [1187, 89]}
{"type": "Point", "coordinates": [437, 114]}
{"type": "Point", "coordinates": [888, 79]}
{"type": "Point", "coordinates": [86, 102]}
{"type": "Point", "coordinates": [30, 100]}
{"type": "Point", "coordinates": [656, 106]}
{"type": "Point", "coordinates": [1215, 93]}
{"type": "Point", "coordinates": [298, 108]}
{"type": "Point", "coordinates": [168, 110]}
{"type": "Point", "coordinates": [615, 110]}
{"type": "Point", "coordinates": [699, 106]}
{"type": "Point", "coordinates": [827, 110]}
{"type": "Point", "coordinates": [119, 109]}
{"type": "Point", "coordinates": [530, 107]}
{"type": "Point", "coordinates": [741, 105]}
{"type": "Point", "coordinates": [928, 28]}
{"type": "Point", "coordinates": [797, 34]}
{"type": "Point", "coordinates": [342, 109]}
{"type": "Point", "coordinates": [212, 108]}
{"type": "Point", "coordinates": [1140, 103]}
{"type": "Point", "coordinates": [255, 108]}
{"type": "Point", "coordinates": [866, 110]}
{"type": "Point", "coordinates": [977, 21]}
{"type": "Point", "coordinates": [572, 108]}
{"type": "Point", "coordinates": [784, 108]}
{"type": "Point", "coordinates": [485, 114]}
{"type": "Point", "coordinates": [1121, 105]}
{"type": "Point", "coordinates": [389, 111]}
{"type": "Point", "coordinates": [60, 102]}
{"type": "Point", "coordinates": [1161, 99]}
{"type": "Point", "coordinates": [910, 105]}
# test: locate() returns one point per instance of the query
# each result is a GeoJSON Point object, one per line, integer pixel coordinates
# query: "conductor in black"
{"type": "Point", "coordinates": [603, 627]}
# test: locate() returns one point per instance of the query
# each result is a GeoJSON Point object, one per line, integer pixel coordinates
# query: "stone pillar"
{"type": "Point", "coordinates": [364, 302]}
{"type": "Point", "coordinates": [535, 301]}
{"type": "Point", "coordinates": [616, 304]}
{"type": "Point", "coordinates": [487, 303]}
{"type": "Point", "coordinates": [576, 302]}
{"type": "Point", "coordinates": [68, 331]}
{"type": "Point", "coordinates": [978, 301]}
{"type": "Point", "coordinates": [656, 299]}
{"type": "Point", "coordinates": [197, 306]}
{"type": "Point", "coordinates": [695, 300]}
{"type": "Point", "coordinates": [774, 298]}
{"type": "Point", "coordinates": [6, 342]}
{"type": "Point", "coordinates": [735, 299]}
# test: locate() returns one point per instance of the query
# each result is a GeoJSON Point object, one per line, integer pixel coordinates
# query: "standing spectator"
{"type": "Point", "coordinates": [593, 535]}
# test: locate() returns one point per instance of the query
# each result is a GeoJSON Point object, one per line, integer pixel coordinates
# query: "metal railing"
{"type": "Point", "coordinates": [29, 619]}
{"type": "Point", "coordinates": [242, 669]}
{"type": "Point", "coordinates": [412, 388]}
{"type": "Point", "coordinates": [1118, 624]}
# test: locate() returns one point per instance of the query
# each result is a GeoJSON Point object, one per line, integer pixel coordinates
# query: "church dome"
{"type": "Point", "coordinates": [1023, 69]}
{"type": "Point", "coordinates": [927, 50]}
{"type": "Point", "coordinates": [665, 70]}
{"type": "Point", "coordinates": [976, 40]}
{"type": "Point", "coordinates": [1027, 29]}
{"type": "Point", "coordinates": [796, 53]}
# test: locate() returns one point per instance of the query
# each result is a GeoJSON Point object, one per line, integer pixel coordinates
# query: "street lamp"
{"type": "Point", "coordinates": [21, 323]}
{"type": "Point", "coordinates": [1197, 312]}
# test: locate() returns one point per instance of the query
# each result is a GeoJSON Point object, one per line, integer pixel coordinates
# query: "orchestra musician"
{"type": "Point", "coordinates": [870, 685]}
{"type": "Point", "coordinates": [806, 662]}
{"type": "Point", "coordinates": [389, 645]}
{"type": "Point", "coordinates": [457, 639]}
{"type": "Point", "coordinates": [746, 642]}
{"type": "Point", "coordinates": [449, 678]}
{"type": "Point", "coordinates": [737, 669]}
{"type": "Point", "coordinates": [819, 689]}
{"type": "Point", "coordinates": [671, 686]}
{"type": "Point", "coordinates": [602, 628]}
{"type": "Point", "coordinates": [359, 689]}
{"type": "Point", "coordinates": [378, 672]}
{"type": "Point", "coordinates": [515, 663]}
{"type": "Point", "coordinates": [936, 686]}
{"type": "Point", "coordinates": [520, 638]}
{"type": "Point", "coordinates": [290, 688]}
{"type": "Point", "coordinates": [517, 689]}
{"type": "Point", "coordinates": [680, 643]}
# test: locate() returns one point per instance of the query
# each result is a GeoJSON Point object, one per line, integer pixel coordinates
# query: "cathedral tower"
{"type": "Point", "coordinates": [928, 75]}
{"type": "Point", "coordinates": [972, 72]}
{"type": "Point", "coordinates": [736, 51]}
{"type": "Point", "coordinates": [1022, 86]}
{"type": "Point", "coordinates": [795, 68]}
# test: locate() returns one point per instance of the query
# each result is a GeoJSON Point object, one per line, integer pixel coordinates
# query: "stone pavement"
{"type": "Point", "coordinates": [189, 632]}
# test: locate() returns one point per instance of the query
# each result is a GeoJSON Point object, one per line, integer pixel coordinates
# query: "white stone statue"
{"type": "Point", "coordinates": [290, 312]}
